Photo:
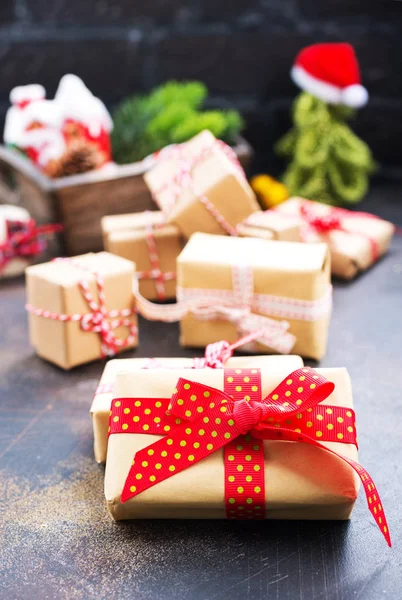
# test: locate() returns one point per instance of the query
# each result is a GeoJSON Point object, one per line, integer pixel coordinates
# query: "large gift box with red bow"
{"type": "Point", "coordinates": [200, 186]}
{"type": "Point", "coordinates": [356, 240]}
{"type": "Point", "coordinates": [152, 244]}
{"type": "Point", "coordinates": [229, 286]}
{"type": "Point", "coordinates": [240, 443]}
{"type": "Point", "coordinates": [81, 309]}
{"type": "Point", "coordinates": [102, 400]}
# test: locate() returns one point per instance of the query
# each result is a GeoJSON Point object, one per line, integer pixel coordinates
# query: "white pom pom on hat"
{"type": "Point", "coordinates": [355, 96]}
{"type": "Point", "coordinates": [331, 73]}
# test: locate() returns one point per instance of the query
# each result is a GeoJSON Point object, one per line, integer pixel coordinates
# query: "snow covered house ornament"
{"type": "Point", "coordinates": [64, 136]}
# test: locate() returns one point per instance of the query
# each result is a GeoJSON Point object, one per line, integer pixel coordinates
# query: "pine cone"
{"type": "Point", "coordinates": [79, 157]}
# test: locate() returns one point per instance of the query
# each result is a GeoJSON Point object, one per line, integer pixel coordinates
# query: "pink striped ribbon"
{"type": "Point", "coordinates": [240, 307]}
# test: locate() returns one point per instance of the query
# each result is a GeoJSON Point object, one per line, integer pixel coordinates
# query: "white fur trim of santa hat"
{"type": "Point", "coordinates": [354, 96]}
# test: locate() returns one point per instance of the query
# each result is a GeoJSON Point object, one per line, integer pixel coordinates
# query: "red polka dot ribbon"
{"type": "Point", "coordinates": [198, 420]}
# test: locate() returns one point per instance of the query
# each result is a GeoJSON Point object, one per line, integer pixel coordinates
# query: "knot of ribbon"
{"type": "Point", "coordinates": [24, 239]}
{"type": "Point", "coordinates": [100, 320]}
{"type": "Point", "coordinates": [334, 220]}
{"type": "Point", "coordinates": [183, 179]}
{"type": "Point", "coordinates": [322, 223]}
{"type": "Point", "coordinates": [218, 353]}
{"type": "Point", "coordinates": [198, 420]}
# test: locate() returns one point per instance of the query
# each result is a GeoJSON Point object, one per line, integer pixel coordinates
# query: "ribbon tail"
{"type": "Point", "coordinates": [373, 498]}
{"type": "Point", "coordinates": [272, 333]}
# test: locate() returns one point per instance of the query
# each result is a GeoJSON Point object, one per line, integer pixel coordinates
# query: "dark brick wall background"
{"type": "Point", "coordinates": [242, 49]}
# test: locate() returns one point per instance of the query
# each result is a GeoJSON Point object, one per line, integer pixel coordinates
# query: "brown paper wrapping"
{"type": "Point", "coordinates": [54, 286]}
{"type": "Point", "coordinates": [286, 269]}
{"type": "Point", "coordinates": [216, 178]}
{"type": "Point", "coordinates": [125, 236]}
{"type": "Point", "coordinates": [101, 403]}
{"type": "Point", "coordinates": [350, 254]}
{"type": "Point", "coordinates": [270, 225]}
{"type": "Point", "coordinates": [302, 481]}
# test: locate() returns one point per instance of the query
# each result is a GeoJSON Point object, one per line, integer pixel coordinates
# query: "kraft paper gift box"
{"type": "Point", "coordinates": [301, 481]}
{"type": "Point", "coordinates": [81, 309]}
{"type": "Point", "coordinates": [200, 187]}
{"type": "Point", "coordinates": [152, 244]}
{"type": "Point", "coordinates": [356, 240]}
{"type": "Point", "coordinates": [101, 403]}
{"type": "Point", "coordinates": [230, 284]}
{"type": "Point", "coordinates": [270, 225]}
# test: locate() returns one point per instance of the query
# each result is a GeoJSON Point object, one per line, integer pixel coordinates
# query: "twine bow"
{"type": "Point", "coordinates": [236, 306]}
{"type": "Point", "coordinates": [99, 319]}
{"type": "Point", "coordinates": [218, 353]}
{"type": "Point", "coordinates": [334, 220]}
{"type": "Point", "coordinates": [198, 420]}
{"type": "Point", "coordinates": [24, 240]}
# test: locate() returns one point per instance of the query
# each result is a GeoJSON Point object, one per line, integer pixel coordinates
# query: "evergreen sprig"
{"type": "Point", "coordinates": [170, 114]}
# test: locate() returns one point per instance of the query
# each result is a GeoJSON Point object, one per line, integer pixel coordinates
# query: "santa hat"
{"type": "Point", "coordinates": [331, 73]}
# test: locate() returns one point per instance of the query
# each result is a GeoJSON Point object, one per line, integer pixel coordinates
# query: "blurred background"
{"type": "Point", "coordinates": [241, 49]}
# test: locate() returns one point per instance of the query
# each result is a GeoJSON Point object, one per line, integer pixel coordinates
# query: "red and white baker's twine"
{"type": "Point", "coordinates": [183, 179]}
{"type": "Point", "coordinates": [239, 306]}
{"type": "Point", "coordinates": [216, 356]}
{"type": "Point", "coordinates": [24, 239]}
{"type": "Point", "coordinates": [98, 320]}
{"type": "Point", "coordinates": [155, 273]}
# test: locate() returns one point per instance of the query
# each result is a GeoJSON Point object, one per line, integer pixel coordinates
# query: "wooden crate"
{"type": "Point", "coordinates": [80, 201]}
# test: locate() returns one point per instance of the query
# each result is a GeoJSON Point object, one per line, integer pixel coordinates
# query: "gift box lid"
{"type": "Point", "coordinates": [112, 223]}
{"type": "Point", "coordinates": [273, 255]}
{"type": "Point", "coordinates": [272, 220]}
{"type": "Point", "coordinates": [67, 272]}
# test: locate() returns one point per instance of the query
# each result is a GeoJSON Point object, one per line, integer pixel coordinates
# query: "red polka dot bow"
{"type": "Point", "coordinates": [199, 420]}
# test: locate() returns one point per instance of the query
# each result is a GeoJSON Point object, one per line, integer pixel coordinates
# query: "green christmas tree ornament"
{"type": "Point", "coordinates": [327, 161]}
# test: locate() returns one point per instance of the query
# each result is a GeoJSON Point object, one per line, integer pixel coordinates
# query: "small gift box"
{"type": "Point", "coordinates": [101, 403]}
{"type": "Point", "coordinates": [270, 225]}
{"type": "Point", "coordinates": [81, 309]}
{"type": "Point", "coordinates": [240, 443]}
{"type": "Point", "coordinates": [152, 244]}
{"type": "Point", "coordinates": [356, 240]}
{"type": "Point", "coordinates": [200, 186]}
{"type": "Point", "coordinates": [21, 240]}
{"type": "Point", "coordinates": [230, 286]}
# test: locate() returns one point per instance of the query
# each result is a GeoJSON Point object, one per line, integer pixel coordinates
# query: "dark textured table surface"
{"type": "Point", "coordinates": [57, 540]}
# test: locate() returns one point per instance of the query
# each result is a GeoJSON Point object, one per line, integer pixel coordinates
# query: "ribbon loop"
{"type": "Point", "coordinates": [193, 401]}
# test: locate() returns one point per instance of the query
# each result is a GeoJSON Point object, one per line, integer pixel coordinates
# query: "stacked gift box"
{"type": "Point", "coordinates": [237, 437]}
